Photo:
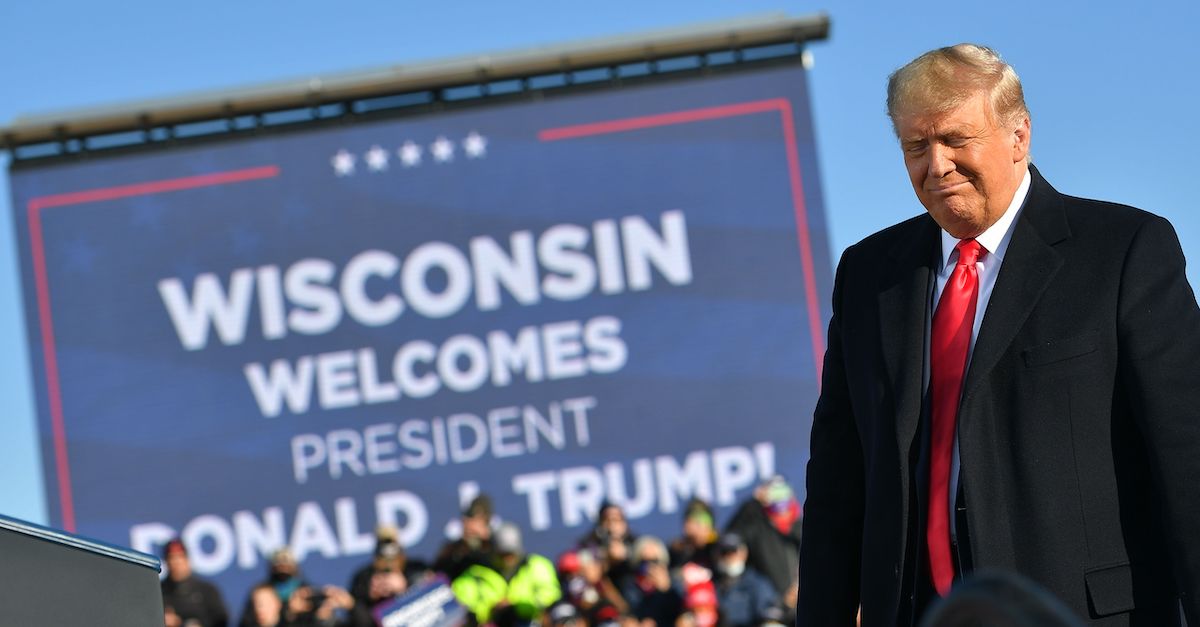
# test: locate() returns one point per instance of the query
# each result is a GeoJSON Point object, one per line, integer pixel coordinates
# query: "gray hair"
{"type": "Point", "coordinates": [644, 542]}
{"type": "Point", "coordinates": [943, 79]}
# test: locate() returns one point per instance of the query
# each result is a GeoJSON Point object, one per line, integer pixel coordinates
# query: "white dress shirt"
{"type": "Point", "coordinates": [995, 242]}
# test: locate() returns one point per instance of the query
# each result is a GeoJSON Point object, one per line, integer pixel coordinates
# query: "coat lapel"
{"type": "Point", "coordinates": [903, 300]}
{"type": "Point", "coordinates": [1029, 265]}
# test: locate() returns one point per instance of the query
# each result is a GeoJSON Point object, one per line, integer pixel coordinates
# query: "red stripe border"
{"type": "Point", "coordinates": [42, 286]}
{"type": "Point", "coordinates": [784, 107]}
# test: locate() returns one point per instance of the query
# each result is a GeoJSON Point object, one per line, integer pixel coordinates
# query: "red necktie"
{"type": "Point", "coordinates": [951, 340]}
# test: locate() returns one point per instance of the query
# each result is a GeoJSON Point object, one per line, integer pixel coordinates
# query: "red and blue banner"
{"type": "Point", "coordinates": [287, 339]}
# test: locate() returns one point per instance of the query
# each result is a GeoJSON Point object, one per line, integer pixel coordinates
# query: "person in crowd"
{"type": "Point", "coordinates": [383, 579]}
{"type": "Point", "coordinates": [648, 588]}
{"type": "Point", "coordinates": [611, 534]}
{"type": "Point", "coordinates": [695, 545]}
{"type": "Point", "coordinates": [769, 524]}
{"type": "Point", "coordinates": [305, 608]}
{"type": "Point", "coordinates": [787, 604]}
{"type": "Point", "coordinates": [745, 597]}
{"type": "Point", "coordinates": [515, 589]}
{"type": "Point", "coordinates": [186, 597]}
{"type": "Point", "coordinates": [301, 603]}
{"type": "Point", "coordinates": [283, 572]}
{"type": "Point", "coordinates": [474, 546]}
{"type": "Point", "coordinates": [327, 606]}
{"type": "Point", "coordinates": [532, 581]}
{"type": "Point", "coordinates": [585, 583]}
{"type": "Point", "coordinates": [264, 608]}
{"type": "Point", "coordinates": [385, 576]}
{"type": "Point", "coordinates": [700, 605]}
{"type": "Point", "coordinates": [1000, 599]}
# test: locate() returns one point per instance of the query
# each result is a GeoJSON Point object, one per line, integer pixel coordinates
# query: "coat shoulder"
{"type": "Point", "coordinates": [1104, 214]}
{"type": "Point", "coordinates": [1105, 227]}
{"type": "Point", "coordinates": [888, 240]}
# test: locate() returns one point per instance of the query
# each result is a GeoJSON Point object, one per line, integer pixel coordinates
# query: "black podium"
{"type": "Point", "coordinates": [52, 578]}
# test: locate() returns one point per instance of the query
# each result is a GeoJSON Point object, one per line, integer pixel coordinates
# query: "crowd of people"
{"type": "Point", "coordinates": [741, 575]}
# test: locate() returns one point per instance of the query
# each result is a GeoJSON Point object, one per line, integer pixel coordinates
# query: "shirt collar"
{"type": "Point", "coordinates": [996, 238]}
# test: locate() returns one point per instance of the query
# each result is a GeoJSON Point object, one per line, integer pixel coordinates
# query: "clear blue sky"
{"type": "Point", "coordinates": [1112, 88]}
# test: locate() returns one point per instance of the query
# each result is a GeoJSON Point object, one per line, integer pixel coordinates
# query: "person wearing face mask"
{"type": "Point", "coordinates": [745, 597]}
{"type": "Point", "coordinates": [770, 523]}
{"type": "Point", "coordinates": [648, 588]}
{"type": "Point", "coordinates": [284, 574]}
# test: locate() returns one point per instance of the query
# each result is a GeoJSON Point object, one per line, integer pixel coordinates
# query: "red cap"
{"type": "Point", "coordinates": [174, 547]}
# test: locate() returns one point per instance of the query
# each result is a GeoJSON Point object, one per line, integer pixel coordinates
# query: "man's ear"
{"type": "Point", "coordinates": [1021, 140]}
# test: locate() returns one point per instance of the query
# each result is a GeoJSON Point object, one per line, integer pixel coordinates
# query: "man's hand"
{"type": "Point", "coordinates": [659, 576]}
{"type": "Point", "coordinates": [387, 584]}
{"type": "Point", "coordinates": [335, 599]}
{"type": "Point", "coordinates": [300, 602]}
{"type": "Point", "coordinates": [791, 594]}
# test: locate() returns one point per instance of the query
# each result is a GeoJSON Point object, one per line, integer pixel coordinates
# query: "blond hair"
{"type": "Point", "coordinates": [943, 79]}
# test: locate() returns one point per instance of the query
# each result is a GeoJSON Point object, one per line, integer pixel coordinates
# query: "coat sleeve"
{"type": "Point", "coordinates": [831, 544]}
{"type": "Point", "coordinates": [216, 607]}
{"type": "Point", "coordinates": [1159, 369]}
{"type": "Point", "coordinates": [766, 599]}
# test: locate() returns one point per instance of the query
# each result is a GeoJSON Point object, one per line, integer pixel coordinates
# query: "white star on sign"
{"type": "Point", "coordinates": [343, 163]}
{"type": "Point", "coordinates": [410, 154]}
{"type": "Point", "coordinates": [475, 145]}
{"type": "Point", "coordinates": [442, 149]}
{"type": "Point", "coordinates": [377, 159]}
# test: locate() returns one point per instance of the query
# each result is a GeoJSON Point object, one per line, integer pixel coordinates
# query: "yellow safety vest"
{"type": "Point", "coordinates": [532, 589]}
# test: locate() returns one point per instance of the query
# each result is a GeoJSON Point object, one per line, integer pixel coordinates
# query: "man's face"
{"type": "Point", "coordinates": [178, 566]}
{"type": "Point", "coordinates": [612, 519]}
{"type": "Point", "coordinates": [698, 529]}
{"type": "Point", "coordinates": [267, 606]}
{"type": "Point", "coordinates": [387, 584]}
{"type": "Point", "coordinates": [591, 569]}
{"type": "Point", "coordinates": [283, 570]}
{"type": "Point", "coordinates": [508, 559]}
{"type": "Point", "coordinates": [476, 528]}
{"type": "Point", "coordinates": [964, 164]}
{"type": "Point", "coordinates": [649, 553]}
{"type": "Point", "coordinates": [733, 561]}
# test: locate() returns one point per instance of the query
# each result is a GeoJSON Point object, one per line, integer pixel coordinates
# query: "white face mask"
{"type": "Point", "coordinates": [732, 569]}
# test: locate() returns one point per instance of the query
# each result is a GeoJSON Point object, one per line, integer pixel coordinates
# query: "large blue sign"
{"type": "Point", "coordinates": [286, 340]}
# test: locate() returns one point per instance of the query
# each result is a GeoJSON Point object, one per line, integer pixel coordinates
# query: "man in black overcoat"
{"type": "Point", "coordinates": [1012, 381]}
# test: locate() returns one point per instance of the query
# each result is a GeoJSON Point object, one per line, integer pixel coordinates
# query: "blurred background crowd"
{"type": "Point", "coordinates": [739, 574]}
